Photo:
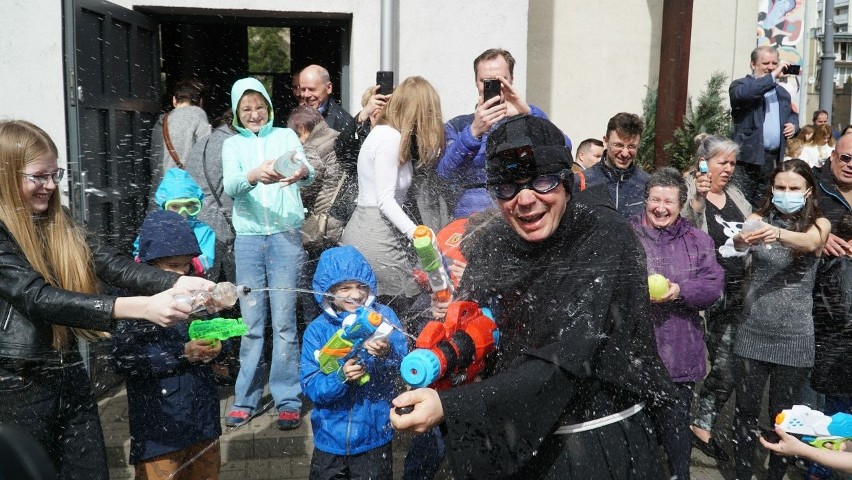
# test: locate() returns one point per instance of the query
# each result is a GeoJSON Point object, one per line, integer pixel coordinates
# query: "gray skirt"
{"type": "Point", "coordinates": [385, 248]}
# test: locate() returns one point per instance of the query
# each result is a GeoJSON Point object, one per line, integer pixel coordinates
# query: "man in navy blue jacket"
{"type": "Point", "coordinates": [617, 169]}
{"type": "Point", "coordinates": [763, 121]}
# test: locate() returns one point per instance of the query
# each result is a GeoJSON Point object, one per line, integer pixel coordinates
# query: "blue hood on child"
{"type": "Point", "coordinates": [341, 264]}
{"type": "Point", "coordinates": [177, 184]}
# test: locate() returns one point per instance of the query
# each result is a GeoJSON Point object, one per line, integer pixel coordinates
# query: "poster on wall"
{"type": "Point", "coordinates": [780, 24]}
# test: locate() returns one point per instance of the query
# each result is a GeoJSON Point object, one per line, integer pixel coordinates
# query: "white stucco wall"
{"type": "Point", "coordinates": [441, 38]}
{"type": "Point", "coordinates": [580, 61]}
{"type": "Point", "coordinates": [31, 76]}
{"type": "Point", "coordinates": [591, 60]}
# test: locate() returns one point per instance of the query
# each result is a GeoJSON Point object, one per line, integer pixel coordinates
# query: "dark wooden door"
{"type": "Point", "coordinates": [112, 78]}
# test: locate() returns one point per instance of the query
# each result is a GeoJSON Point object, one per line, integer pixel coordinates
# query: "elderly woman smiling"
{"type": "Point", "coordinates": [686, 257]}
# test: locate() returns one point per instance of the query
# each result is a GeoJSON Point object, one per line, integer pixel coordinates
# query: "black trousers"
{"type": "Point", "coordinates": [53, 402]}
{"type": "Point", "coordinates": [753, 180]}
{"type": "Point", "coordinates": [375, 464]}
{"type": "Point", "coordinates": [672, 423]}
{"type": "Point", "coordinates": [785, 390]}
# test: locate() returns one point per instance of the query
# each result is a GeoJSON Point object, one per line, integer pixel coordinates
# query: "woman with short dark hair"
{"type": "Point", "coordinates": [692, 281]}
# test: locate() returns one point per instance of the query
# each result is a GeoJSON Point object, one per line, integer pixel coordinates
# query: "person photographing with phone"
{"type": "Point", "coordinates": [463, 162]}
{"type": "Point", "coordinates": [763, 120]}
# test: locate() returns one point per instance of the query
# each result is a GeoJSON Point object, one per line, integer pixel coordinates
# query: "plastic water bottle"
{"type": "Point", "coordinates": [289, 163]}
{"type": "Point", "coordinates": [224, 295]}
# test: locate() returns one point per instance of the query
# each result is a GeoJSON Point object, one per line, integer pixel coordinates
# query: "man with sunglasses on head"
{"type": "Point", "coordinates": [576, 365]}
{"type": "Point", "coordinates": [179, 193]}
{"type": "Point", "coordinates": [617, 170]}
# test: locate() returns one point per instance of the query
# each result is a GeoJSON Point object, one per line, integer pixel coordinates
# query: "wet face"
{"type": "Point", "coordinates": [491, 68]}
{"type": "Point", "coordinates": [721, 168]}
{"type": "Point", "coordinates": [178, 264]}
{"type": "Point", "coordinates": [314, 91]}
{"type": "Point", "coordinates": [662, 206]}
{"type": "Point", "coordinates": [621, 150]}
{"type": "Point", "coordinates": [766, 63]}
{"type": "Point", "coordinates": [821, 119]}
{"type": "Point", "coordinates": [354, 295]}
{"type": "Point", "coordinates": [38, 189]}
{"type": "Point", "coordinates": [841, 162]}
{"type": "Point", "coordinates": [253, 112]}
{"type": "Point", "coordinates": [535, 216]}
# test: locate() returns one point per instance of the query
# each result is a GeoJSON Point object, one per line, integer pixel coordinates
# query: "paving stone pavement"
{"type": "Point", "coordinates": [259, 451]}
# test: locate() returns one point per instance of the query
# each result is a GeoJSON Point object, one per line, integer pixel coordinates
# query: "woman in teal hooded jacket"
{"type": "Point", "coordinates": [267, 216]}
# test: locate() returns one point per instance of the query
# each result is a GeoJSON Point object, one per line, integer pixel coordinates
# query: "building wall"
{"type": "Point", "coordinates": [583, 71]}
{"type": "Point", "coordinates": [31, 68]}
{"type": "Point", "coordinates": [580, 61]}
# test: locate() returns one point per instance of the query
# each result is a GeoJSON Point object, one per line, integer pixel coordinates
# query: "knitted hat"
{"type": "Point", "coordinates": [526, 147]}
{"type": "Point", "coordinates": [166, 234]}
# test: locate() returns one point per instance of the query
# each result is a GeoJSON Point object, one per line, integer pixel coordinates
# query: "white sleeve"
{"type": "Point", "coordinates": [387, 171]}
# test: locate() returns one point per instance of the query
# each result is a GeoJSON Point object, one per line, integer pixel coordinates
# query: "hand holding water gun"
{"type": "Point", "coordinates": [432, 262]}
{"type": "Point", "coordinates": [451, 352]}
{"type": "Point", "coordinates": [816, 428]}
{"type": "Point", "coordinates": [359, 330]}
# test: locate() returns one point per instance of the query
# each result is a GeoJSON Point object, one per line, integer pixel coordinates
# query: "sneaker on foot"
{"type": "Point", "coordinates": [235, 418]}
{"type": "Point", "coordinates": [288, 420]}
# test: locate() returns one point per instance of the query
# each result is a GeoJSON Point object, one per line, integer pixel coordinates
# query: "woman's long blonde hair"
{"type": "Point", "coordinates": [51, 242]}
{"type": "Point", "coordinates": [415, 109]}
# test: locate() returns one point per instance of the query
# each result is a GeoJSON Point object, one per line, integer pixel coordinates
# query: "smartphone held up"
{"type": "Point", "coordinates": [384, 80]}
{"type": "Point", "coordinates": [792, 70]}
{"type": "Point", "coordinates": [490, 89]}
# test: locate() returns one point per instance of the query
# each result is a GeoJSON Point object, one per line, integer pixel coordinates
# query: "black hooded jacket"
{"type": "Point", "coordinates": [576, 343]}
{"type": "Point", "coordinates": [832, 373]}
{"type": "Point", "coordinates": [29, 306]}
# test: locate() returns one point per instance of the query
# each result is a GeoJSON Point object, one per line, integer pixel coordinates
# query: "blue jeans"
{"type": "Point", "coordinates": [269, 261]}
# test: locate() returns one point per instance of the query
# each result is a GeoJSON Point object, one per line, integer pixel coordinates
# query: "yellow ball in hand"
{"type": "Point", "coordinates": [658, 285]}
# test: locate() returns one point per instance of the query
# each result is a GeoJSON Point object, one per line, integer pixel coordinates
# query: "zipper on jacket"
{"type": "Point", "coordinates": [349, 429]}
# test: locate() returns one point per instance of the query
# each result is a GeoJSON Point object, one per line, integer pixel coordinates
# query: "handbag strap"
{"type": "Point", "coordinates": [339, 186]}
{"type": "Point", "coordinates": [168, 139]}
{"type": "Point", "coordinates": [214, 189]}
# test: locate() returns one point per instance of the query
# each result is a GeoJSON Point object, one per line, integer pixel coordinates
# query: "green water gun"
{"type": "Point", "coordinates": [217, 329]}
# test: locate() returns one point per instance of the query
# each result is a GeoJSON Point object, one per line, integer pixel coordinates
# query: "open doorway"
{"type": "Point", "coordinates": [218, 50]}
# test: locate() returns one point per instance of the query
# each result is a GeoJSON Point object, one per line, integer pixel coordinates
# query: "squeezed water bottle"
{"type": "Point", "coordinates": [224, 295]}
{"type": "Point", "coordinates": [289, 163]}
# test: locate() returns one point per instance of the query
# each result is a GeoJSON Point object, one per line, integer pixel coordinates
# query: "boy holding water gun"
{"type": "Point", "coordinates": [171, 390]}
{"type": "Point", "coordinates": [350, 419]}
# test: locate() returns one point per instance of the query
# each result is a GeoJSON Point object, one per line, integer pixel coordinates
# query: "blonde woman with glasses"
{"type": "Point", "coordinates": [50, 275]}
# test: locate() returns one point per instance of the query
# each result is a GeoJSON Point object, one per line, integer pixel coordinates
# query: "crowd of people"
{"type": "Point", "coordinates": [600, 371]}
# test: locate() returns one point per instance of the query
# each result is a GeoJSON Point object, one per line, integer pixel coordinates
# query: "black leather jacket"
{"type": "Point", "coordinates": [29, 306]}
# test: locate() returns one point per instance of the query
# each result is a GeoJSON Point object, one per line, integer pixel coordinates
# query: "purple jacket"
{"type": "Point", "coordinates": [686, 256]}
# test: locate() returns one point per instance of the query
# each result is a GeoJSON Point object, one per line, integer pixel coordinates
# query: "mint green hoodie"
{"type": "Point", "coordinates": [261, 209]}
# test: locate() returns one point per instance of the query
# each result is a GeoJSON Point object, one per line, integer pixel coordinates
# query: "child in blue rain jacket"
{"type": "Point", "coordinates": [351, 424]}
